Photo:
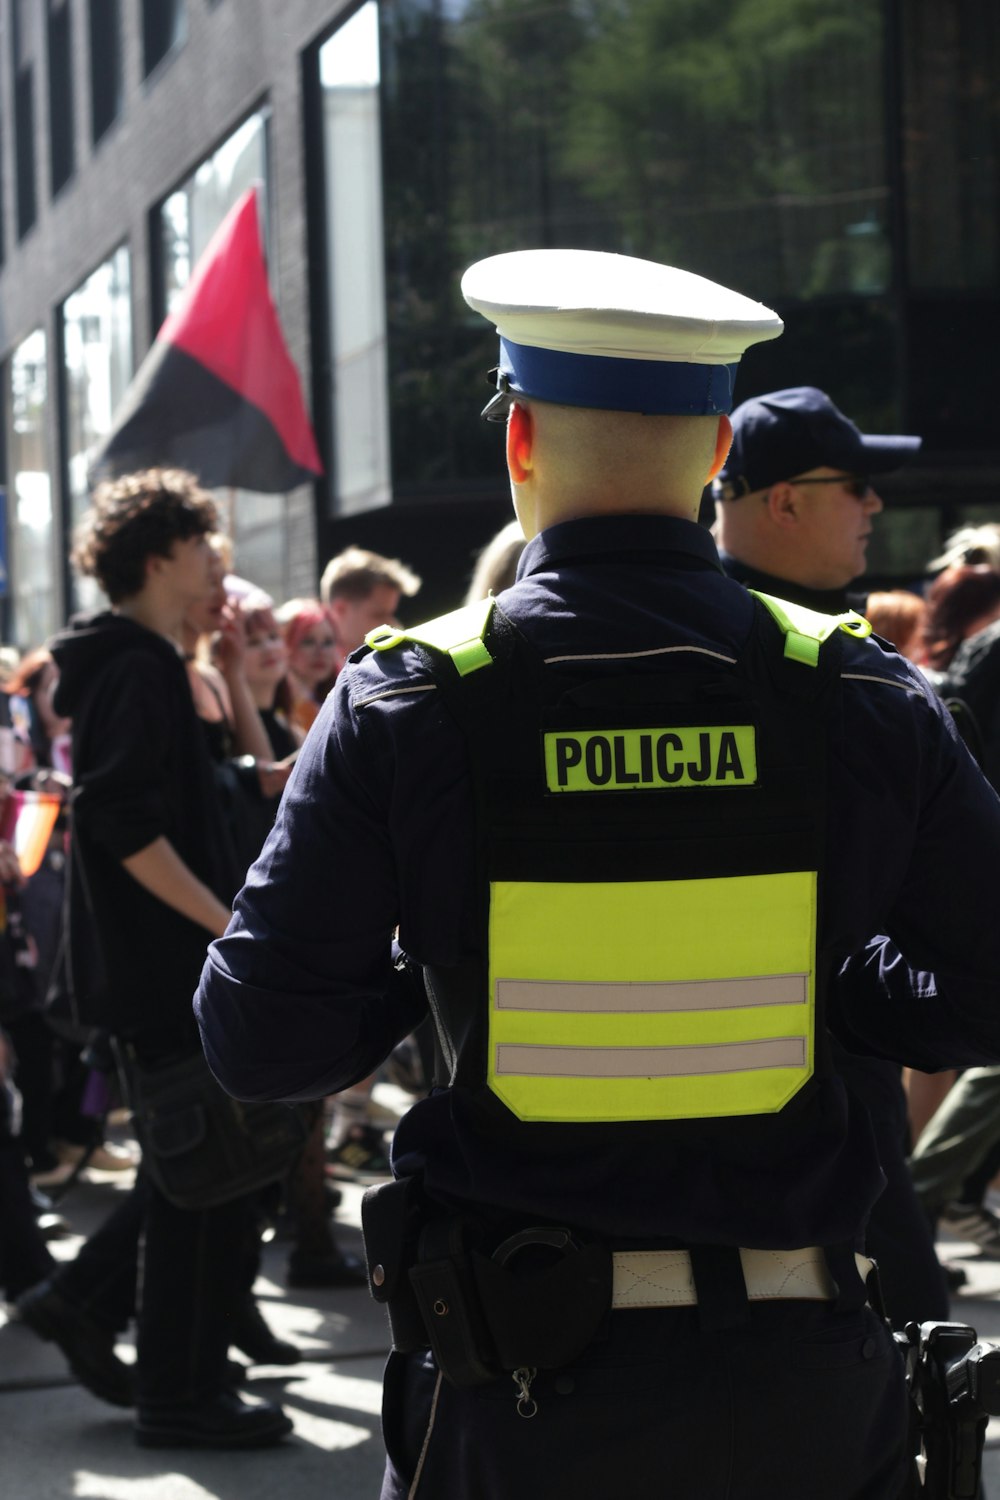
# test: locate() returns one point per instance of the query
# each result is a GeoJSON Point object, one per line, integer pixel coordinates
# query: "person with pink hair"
{"type": "Point", "coordinates": [311, 646]}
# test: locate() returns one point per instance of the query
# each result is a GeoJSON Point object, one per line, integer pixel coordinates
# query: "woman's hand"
{"type": "Point", "coordinates": [273, 775]}
{"type": "Point", "coordinates": [231, 643]}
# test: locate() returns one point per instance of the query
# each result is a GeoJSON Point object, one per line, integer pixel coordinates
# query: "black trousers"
{"type": "Point", "coordinates": [803, 1402]}
{"type": "Point", "coordinates": [34, 1048]}
{"type": "Point", "coordinates": [186, 1274]}
{"type": "Point", "coordinates": [24, 1256]}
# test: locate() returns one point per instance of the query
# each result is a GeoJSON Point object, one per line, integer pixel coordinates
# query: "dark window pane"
{"type": "Point", "coordinates": [951, 115]}
{"type": "Point", "coordinates": [105, 65]}
{"type": "Point", "coordinates": [846, 348]}
{"type": "Point", "coordinates": [163, 29]}
{"type": "Point", "coordinates": [60, 94]}
{"type": "Point", "coordinates": [24, 130]}
{"type": "Point", "coordinates": [951, 370]}
{"type": "Point", "coordinates": [23, 38]}
{"type": "Point", "coordinates": [3, 217]}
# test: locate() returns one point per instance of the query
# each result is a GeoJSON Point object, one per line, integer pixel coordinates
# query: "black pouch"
{"type": "Point", "coordinates": [445, 1290]}
{"type": "Point", "coordinates": [544, 1296]}
{"type": "Point", "coordinates": [391, 1217]}
{"type": "Point", "coordinates": [200, 1147]}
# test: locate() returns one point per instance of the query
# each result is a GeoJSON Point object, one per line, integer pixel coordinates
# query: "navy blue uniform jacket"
{"type": "Point", "coordinates": [297, 1000]}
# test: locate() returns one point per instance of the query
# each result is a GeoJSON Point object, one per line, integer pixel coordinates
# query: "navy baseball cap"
{"type": "Point", "coordinates": [786, 433]}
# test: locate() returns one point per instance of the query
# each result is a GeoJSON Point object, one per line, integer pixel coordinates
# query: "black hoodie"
{"type": "Point", "coordinates": [141, 770]}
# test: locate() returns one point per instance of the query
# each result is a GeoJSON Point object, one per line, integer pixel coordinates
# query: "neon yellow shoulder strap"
{"type": "Point", "coordinates": [805, 630]}
{"type": "Point", "coordinates": [458, 634]}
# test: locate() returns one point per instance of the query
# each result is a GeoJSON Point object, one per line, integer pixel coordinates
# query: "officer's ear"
{"type": "Point", "coordinates": [782, 501]}
{"type": "Point", "coordinates": [723, 442]}
{"type": "Point", "coordinates": [520, 443]}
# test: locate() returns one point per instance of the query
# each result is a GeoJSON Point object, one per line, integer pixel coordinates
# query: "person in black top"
{"type": "Point", "coordinates": [147, 892]}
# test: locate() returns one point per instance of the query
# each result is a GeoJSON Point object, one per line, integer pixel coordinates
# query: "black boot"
{"type": "Point", "coordinates": [253, 1338]}
{"type": "Point", "coordinates": [88, 1345]}
{"type": "Point", "coordinates": [222, 1421]}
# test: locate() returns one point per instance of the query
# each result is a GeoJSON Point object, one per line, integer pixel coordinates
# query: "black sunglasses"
{"type": "Point", "coordinates": [497, 409]}
{"type": "Point", "coordinates": [858, 485]}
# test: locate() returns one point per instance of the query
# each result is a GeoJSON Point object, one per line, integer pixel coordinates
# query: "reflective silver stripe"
{"type": "Point", "coordinates": [430, 687]}
{"type": "Point", "coordinates": [669, 995]}
{"type": "Point", "coordinates": [649, 1062]}
{"type": "Point", "coordinates": [906, 687]}
{"type": "Point", "coordinates": [634, 655]}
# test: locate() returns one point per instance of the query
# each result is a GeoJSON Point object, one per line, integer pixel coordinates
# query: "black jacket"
{"type": "Point", "coordinates": [141, 771]}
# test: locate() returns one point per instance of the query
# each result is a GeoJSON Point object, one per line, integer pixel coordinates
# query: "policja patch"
{"type": "Point", "coordinates": [650, 759]}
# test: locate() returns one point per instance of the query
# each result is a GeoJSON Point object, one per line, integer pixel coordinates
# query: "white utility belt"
{"type": "Point", "coordinates": [663, 1278]}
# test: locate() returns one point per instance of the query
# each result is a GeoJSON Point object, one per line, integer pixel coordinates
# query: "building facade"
{"type": "Point", "coordinates": [837, 159]}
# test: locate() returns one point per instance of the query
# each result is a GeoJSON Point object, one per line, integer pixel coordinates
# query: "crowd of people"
{"type": "Point", "coordinates": [199, 761]}
{"type": "Point", "coordinates": [255, 674]}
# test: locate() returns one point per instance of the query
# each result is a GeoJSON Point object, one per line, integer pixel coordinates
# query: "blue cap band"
{"type": "Point", "coordinates": [657, 387]}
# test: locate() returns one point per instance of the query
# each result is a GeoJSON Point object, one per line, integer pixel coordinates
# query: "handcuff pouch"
{"type": "Point", "coordinates": [543, 1312]}
{"type": "Point", "coordinates": [391, 1217]}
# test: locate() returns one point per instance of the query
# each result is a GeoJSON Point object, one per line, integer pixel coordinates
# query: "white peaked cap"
{"type": "Point", "coordinates": [588, 328]}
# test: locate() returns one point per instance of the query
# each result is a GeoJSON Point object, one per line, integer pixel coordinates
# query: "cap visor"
{"type": "Point", "coordinates": [885, 453]}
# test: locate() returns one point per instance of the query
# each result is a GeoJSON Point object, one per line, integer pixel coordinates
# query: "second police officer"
{"type": "Point", "coordinates": [795, 506]}
{"type": "Point", "coordinates": [635, 826]}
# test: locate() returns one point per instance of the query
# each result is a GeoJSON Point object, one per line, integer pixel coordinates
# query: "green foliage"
{"type": "Point", "coordinates": [742, 139]}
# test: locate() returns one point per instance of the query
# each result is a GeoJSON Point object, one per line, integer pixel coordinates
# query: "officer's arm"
{"type": "Point", "coordinates": [926, 992]}
{"type": "Point", "coordinates": [882, 1007]}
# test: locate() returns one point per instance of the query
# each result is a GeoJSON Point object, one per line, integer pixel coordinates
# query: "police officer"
{"type": "Point", "coordinates": [795, 499]}
{"type": "Point", "coordinates": [632, 824]}
{"type": "Point", "coordinates": [795, 506]}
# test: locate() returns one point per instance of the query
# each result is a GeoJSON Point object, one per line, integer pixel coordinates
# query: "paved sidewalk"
{"type": "Point", "coordinates": [57, 1442]}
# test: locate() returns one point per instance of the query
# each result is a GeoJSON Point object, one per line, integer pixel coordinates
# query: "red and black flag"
{"type": "Point", "coordinates": [218, 393]}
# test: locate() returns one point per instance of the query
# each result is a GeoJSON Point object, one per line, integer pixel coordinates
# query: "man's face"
{"type": "Point", "coordinates": [834, 526]}
{"type": "Point", "coordinates": [354, 618]}
{"type": "Point", "coordinates": [192, 571]}
{"type": "Point", "coordinates": [205, 615]}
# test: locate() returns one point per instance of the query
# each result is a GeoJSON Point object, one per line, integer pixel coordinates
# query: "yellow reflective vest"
{"type": "Point", "coordinates": [651, 862]}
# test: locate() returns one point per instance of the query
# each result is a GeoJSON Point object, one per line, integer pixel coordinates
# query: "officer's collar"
{"type": "Point", "coordinates": [825, 601]}
{"type": "Point", "coordinates": [601, 537]}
